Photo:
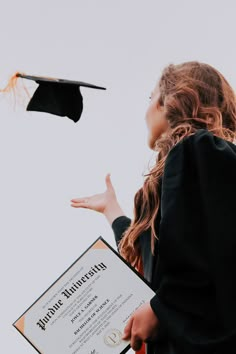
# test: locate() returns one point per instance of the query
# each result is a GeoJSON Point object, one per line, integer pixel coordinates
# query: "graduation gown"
{"type": "Point", "coordinates": [193, 270]}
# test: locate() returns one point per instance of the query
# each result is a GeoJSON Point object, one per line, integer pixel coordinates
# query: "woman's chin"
{"type": "Point", "coordinates": [151, 144]}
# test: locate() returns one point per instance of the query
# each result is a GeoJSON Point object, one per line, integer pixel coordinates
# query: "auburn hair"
{"type": "Point", "coordinates": [194, 96]}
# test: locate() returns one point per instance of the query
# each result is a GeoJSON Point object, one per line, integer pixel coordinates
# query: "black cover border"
{"type": "Point", "coordinates": [114, 251]}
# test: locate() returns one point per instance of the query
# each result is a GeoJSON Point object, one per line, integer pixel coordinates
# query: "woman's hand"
{"type": "Point", "coordinates": [141, 327]}
{"type": "Point", "coordinates": [105, 203]}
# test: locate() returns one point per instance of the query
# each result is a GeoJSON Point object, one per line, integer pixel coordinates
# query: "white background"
{"type": "Point", "coordinates": [47, 160]}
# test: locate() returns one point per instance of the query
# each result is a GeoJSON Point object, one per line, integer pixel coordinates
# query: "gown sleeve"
{"type": "Point", "coordinates": [195, 278]}
{"type": "Point", "coordinates": [119, 226]}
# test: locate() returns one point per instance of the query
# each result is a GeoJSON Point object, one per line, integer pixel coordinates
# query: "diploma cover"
{"type": "Point", "coordinates": [86, 309]}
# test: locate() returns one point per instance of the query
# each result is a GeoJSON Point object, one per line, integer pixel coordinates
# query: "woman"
{"type": "Point", "coordinates": [183, 231]}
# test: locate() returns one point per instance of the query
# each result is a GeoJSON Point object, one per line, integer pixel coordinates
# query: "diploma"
{"type": "Point", "coordinates": [86, 309]}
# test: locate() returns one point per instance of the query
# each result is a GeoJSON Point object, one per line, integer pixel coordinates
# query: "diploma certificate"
{"type": "Point", "coordinates": [86, 309]}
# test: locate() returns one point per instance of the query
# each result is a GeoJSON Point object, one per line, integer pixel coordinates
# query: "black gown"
{"type": "Point", "coordinates": [193, 271]}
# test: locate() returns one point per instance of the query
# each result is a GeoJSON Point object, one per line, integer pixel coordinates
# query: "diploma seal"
{"type": "Point", "coordinates": [112, 337]}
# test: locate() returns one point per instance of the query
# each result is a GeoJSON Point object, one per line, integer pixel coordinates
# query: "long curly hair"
{"type": "Point", "coordinates": [194, 96]}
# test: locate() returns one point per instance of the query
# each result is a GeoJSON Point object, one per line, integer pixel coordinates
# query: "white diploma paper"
{"type": "Point", "coordinates": [86, 309]}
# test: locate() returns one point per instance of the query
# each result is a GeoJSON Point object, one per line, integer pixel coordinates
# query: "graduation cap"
{"type": "Point", "coordinates": [57, 96]}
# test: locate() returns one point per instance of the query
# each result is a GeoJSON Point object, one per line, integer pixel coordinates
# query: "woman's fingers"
{"type": "Point", "coordinates": [127, 329]}
{"type": "Point", "coordinates": [80, 202]}
{"type": "Point", "coordinates": [142, 327]}
{"type": "Point", "coordinates": [136, 343]}
{"type": "Point", "coordinates": [108, 181]}
{"type": "Point", "coordinates": [81, 205]}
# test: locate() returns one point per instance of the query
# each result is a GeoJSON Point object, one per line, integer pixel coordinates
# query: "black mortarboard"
{"type": "Point", "coordinates": [57, 96]}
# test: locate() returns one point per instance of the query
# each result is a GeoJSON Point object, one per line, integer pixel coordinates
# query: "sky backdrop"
{"type": "Point", "coordinates": [46, 160]}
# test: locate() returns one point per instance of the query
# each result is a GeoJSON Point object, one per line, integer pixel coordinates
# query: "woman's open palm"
{"type": "Point", "coordinates": [98, 202]}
